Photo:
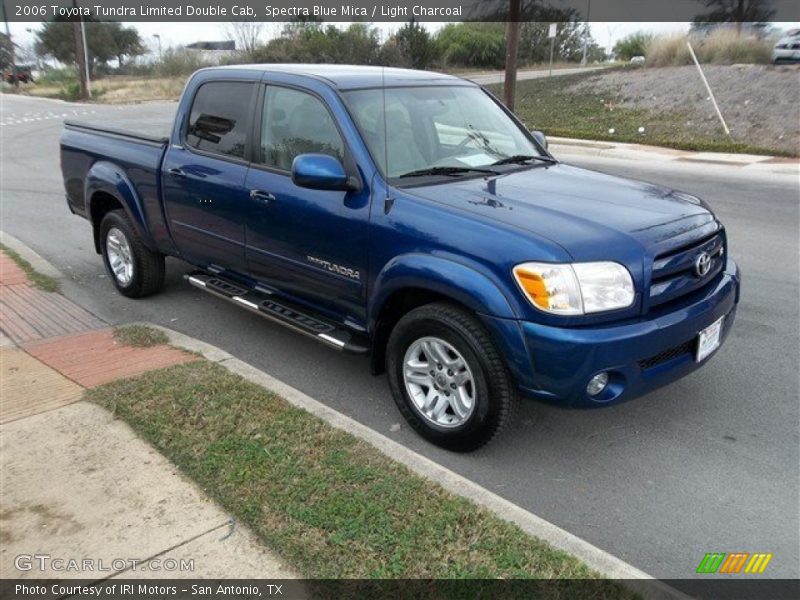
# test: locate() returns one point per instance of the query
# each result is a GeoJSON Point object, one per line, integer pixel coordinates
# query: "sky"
{"type": "Point", "coordinates": [178, 34]}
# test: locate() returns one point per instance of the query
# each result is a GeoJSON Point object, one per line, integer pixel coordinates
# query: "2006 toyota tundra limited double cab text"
{"type": "Point", "coordinates": [410, 216]}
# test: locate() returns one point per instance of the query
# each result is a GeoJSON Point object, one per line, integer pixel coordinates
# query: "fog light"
{"type": "Point", "coordinates": [597, 384]}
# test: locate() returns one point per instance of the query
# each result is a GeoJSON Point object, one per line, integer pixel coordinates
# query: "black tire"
{"type": "Point", "coordinates": [148, 266]}
{"type": "Point", "coordinates": [495, 396]}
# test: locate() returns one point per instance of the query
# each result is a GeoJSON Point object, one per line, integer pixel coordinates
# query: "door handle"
{"type": "Point", "coordinates": [177, 172]}
{"type": "Point", "coordinates": [262, 196]}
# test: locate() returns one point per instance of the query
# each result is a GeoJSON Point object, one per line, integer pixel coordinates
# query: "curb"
{"type": "Point", "coordinates": [601, 561]}
{"type": "Point", "coordinates": [664, 153]}
{"type": "Point", "coordinates": [36, 261]}
{"type": "Point", "coordinates": [597, 559]}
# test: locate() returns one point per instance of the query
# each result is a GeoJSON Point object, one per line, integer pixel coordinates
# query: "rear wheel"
{"type": "Point", "coordinates": [448, 378]}
{"type": "Point", "coordinates": [134, 269]}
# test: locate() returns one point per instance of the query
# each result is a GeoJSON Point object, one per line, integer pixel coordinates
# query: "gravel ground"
{"type": "Point", "coordinates": [760, 103]}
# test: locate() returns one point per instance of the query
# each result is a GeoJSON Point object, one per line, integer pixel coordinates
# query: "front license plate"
{"type": "Point", "coordinates": [708, 339]}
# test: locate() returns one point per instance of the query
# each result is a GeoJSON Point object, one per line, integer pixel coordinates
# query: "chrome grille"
{"type": "Point", "coordinates": [676, 273]}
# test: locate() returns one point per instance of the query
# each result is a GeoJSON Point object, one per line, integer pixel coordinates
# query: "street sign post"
{"type": "Point", "coordinates": [551, 33]}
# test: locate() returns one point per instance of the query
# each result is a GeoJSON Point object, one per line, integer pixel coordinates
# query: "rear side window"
{"type": "Point", "coordinates": [220, 117]}
{"type": "Point", "coordinates": [293, 123]}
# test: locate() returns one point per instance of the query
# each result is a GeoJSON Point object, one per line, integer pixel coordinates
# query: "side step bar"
{"type": "Point", "coordinates": [280, 312]}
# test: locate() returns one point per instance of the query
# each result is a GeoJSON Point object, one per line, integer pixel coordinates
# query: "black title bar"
{"type": "Point", "coordinates": [399, 12]}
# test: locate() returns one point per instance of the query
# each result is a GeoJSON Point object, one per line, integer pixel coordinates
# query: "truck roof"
{"type": "Point", "coordinates": [355, 76]}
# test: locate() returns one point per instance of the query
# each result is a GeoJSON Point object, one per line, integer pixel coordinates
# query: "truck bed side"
{"type": "Point", "coordinates": [105, 169]}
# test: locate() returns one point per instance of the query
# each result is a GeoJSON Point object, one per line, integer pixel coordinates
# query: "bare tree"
{"type": "Point", "coordinates": [246, 34]}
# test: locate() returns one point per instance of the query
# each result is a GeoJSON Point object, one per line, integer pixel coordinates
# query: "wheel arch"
{"type": "Point", "coordinates": [411, 281]}
{"type": "Point", "coordinates": [108, 188]}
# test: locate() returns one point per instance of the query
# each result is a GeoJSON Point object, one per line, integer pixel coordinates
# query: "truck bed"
{"type": "Point", "coordinates": [99, 160]}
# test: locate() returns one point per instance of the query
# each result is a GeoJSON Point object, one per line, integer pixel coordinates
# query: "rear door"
{"type": "Point", "coordinates": [203, 177]}
{"type": "Point", "coordinates": [311, 244]}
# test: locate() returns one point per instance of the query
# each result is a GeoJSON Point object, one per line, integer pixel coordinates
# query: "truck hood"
{"type": "Point", "coordinates": [591, 215]}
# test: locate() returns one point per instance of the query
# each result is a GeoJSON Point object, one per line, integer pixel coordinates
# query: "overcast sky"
{"type": "Point", "coordinates": [178, 34]}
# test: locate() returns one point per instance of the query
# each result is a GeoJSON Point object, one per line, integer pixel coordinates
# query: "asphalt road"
{"type": "Point", "coordinates": [710, 463]}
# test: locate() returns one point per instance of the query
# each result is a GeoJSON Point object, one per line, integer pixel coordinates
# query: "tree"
{"type": "Point", "coordinates": [736, 11]}
{"type": "Point", "coordinates": [127, 44]}
{"type": "Point", "coordinates": [632, 45]}
{"type": "Point", "coordinates": [313, 43]}
{"type": "Point", "coordinates": [535, 43]}
{"type": "Point", "coordinates": [105, 41]}
{"type": "Point", "coordinates": [246, 34]}
{"type": "Point", "coordinates": [414, 46]}
{"type": "Point", "coordinates": [6, 52]}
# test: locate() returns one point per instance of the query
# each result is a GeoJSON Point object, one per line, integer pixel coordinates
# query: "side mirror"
{"type": "Point", "coordinates": [320, 172]}
{"type": "Point", "coordinates": [541, 138]}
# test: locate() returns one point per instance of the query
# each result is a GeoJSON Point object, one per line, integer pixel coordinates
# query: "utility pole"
{"type": "Point", "coordinates": [81, 55]}
{"type": "Point", "coordinates": [512, 48]}
{"type": "Point", "coordinates": [12, 54]}
{"type": "Point", "coordinates": [586, 32]}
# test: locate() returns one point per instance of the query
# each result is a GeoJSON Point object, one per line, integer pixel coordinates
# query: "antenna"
{"type": "Point", "coordinates": [387, 200]}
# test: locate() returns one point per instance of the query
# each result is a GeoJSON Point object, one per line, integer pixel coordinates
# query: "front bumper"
{"type": "Point", "coordinates": [639, 356]}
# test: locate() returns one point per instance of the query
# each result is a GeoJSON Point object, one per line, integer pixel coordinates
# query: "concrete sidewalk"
{"type": "Point", "coordinates": [752, 164]}
{"type": "Point", "coordinates": [77, 484]}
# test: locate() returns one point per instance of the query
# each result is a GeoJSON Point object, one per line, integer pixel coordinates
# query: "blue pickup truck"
{"type": "Point", "coordinates": [410, 216]}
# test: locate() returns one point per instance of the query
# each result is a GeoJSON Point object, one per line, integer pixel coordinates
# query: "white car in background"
{"type": "Point", "coordinates": [788, 47]}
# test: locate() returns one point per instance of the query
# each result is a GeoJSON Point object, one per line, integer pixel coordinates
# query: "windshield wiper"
{"type": "Point", "coordinates": [523, 158]}
{"type": "Point", "coordinates": [448, 171]}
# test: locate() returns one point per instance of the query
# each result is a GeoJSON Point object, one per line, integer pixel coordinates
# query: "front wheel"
{"type": "Point", "coordinates": [448, 378]}
{"type": "Point", "coordinates": [135, 270]}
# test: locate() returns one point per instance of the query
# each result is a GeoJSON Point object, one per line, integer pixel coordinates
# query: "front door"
{"type": "Point", "coordinates": [311, 244]}
{"type": "Point", "coordinates": [203, 179]}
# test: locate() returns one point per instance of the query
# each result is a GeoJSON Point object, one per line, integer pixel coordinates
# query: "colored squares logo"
{"type": "Point", "coordinates": [734, 562]}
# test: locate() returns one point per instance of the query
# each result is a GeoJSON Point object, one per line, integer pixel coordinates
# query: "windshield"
{"type": "Point", "coordinates": [456, 127]}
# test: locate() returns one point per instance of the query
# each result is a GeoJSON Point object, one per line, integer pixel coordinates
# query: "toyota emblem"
{"type": "Point", "coordinates": [702, 264]}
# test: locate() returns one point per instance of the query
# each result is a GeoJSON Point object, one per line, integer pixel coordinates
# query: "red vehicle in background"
{"type": "Point", "coordinates": [20, 73]}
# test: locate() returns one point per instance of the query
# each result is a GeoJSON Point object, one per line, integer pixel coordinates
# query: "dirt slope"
{"type": "Point", "coordinates": [760, 103]}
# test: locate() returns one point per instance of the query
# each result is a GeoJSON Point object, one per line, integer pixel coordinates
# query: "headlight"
{"type": "Point", "coordinates": [577, 288]}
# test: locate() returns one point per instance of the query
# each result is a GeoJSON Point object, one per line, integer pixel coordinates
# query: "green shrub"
{"type": "Point", "coordinates": [632, 45]}
{"type": "Point", "coordinates": [472, 45]}
{"type": "Point", "coordinates": [56, 76]}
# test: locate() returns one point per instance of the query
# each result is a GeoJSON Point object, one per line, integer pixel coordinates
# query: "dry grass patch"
{"type": "Point", "coordinates": [115, 90]}
{"type": "Point", "coordinates": [721, 47]}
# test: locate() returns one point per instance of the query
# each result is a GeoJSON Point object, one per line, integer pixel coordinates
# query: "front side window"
{"type": "Point", "coordinates": [417, 128]}
{"type": "Point", "coordinates": [293, 123]}
{"type": "Point", "coordinates": [220, 118]}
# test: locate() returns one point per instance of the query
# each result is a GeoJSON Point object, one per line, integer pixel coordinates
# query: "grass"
{"type": "Point", "coordinates": [551, 106]}
{"type": "Point", "coordinates": [328, 503]}
{"type": "Point", "coordinates": [140, 336]}
{"type": "Point", "coordinates": [39, 280]}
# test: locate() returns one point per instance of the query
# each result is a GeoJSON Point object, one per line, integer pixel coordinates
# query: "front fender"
{"type": "Point", "coordinates": [447, 277]}
{"type": "Point", "coordinates": [110, 179]}
{"type": "Point", "coordinates": [463, 284]}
